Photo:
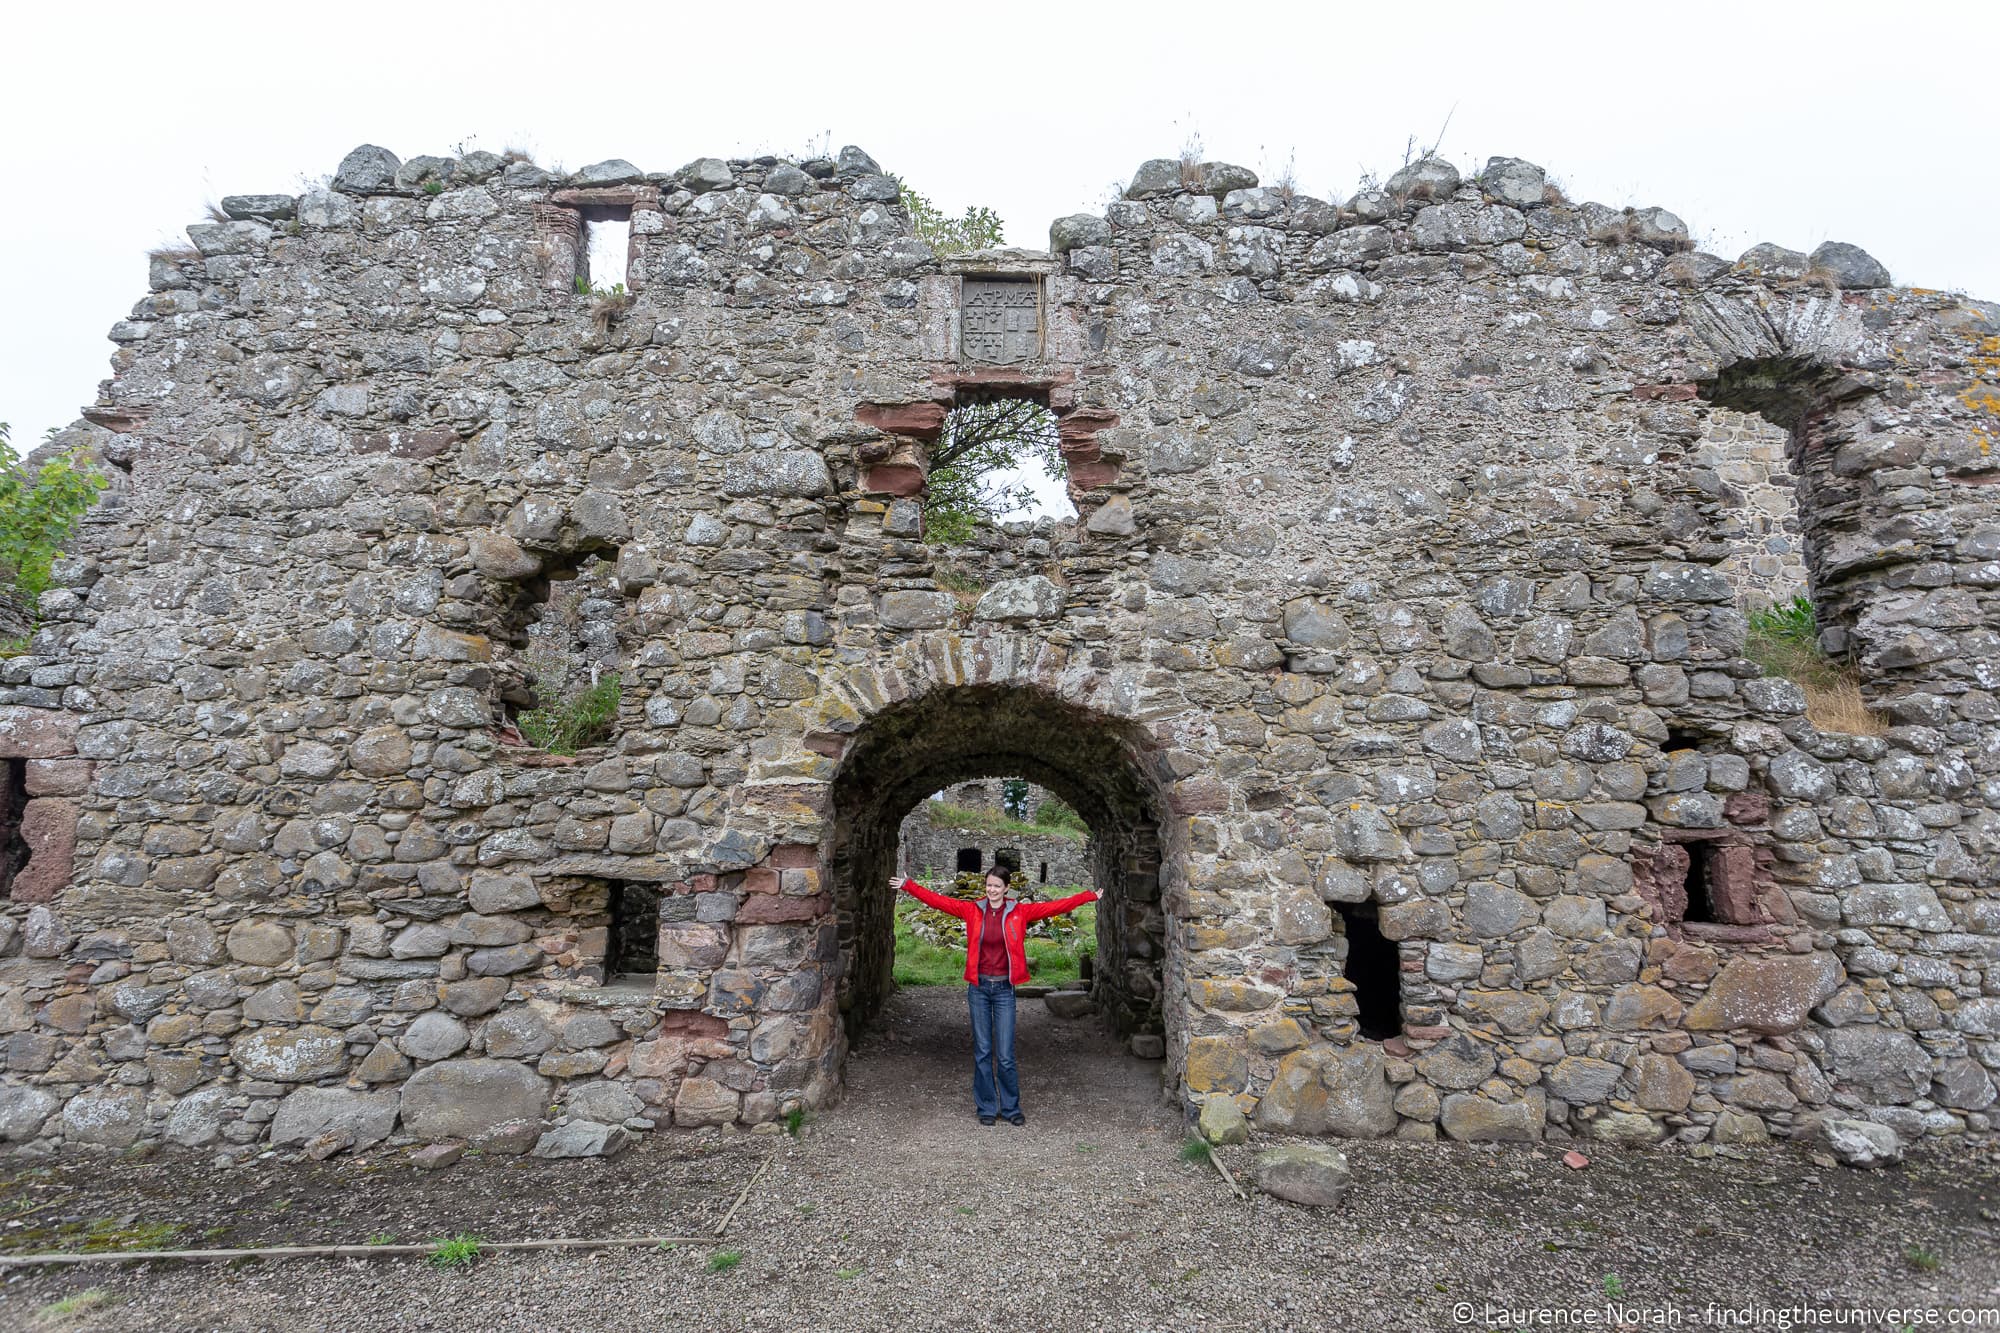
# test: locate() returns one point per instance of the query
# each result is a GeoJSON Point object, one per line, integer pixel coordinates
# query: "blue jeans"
{"type": "Point", "coordinates": [992, 1005]}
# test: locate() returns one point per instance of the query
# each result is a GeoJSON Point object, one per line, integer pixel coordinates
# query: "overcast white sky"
{"type": "Point", "coordinates": [1794, 123]}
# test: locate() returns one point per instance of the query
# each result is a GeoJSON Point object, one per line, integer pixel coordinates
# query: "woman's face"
{"type": "Point", "coordinates": [996, 889]}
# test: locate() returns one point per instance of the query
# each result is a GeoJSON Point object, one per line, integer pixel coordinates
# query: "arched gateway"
{"type": "Point", "coordinates": [1394, 658]}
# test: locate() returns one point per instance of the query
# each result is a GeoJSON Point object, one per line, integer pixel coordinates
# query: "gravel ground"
{"type": "Point", "coordinates": [898, 1210]}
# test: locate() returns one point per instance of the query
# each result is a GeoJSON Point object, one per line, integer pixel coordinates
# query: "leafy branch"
{"type": "Point", "coordinates": [38, 511]}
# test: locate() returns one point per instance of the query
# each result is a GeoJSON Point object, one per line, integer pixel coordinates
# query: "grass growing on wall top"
{"type": "Point", "coordinates": [943, 814]}
{"type": "Point", "coordinates": [1784, 640]}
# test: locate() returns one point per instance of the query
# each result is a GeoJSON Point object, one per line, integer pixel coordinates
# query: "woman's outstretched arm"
{"type": "Point", "coordinates": [955, 906]}
{"type": "Point", "coordinates": [1036, 911]}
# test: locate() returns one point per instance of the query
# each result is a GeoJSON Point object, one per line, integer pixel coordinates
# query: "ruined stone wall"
{"type": "Point", "coordinates": [1746, 455]}
{"type": "Point", "coordinates": [929, 848]}
{"type": "Point", "coordinates": [1398, 600]}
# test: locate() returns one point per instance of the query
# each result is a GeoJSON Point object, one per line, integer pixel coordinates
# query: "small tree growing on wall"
{"type": "Point", "coordinates": [979, 228]}
{"type": "Point", "coordinates": [38, 511]}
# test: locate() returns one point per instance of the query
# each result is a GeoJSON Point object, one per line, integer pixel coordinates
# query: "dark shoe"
{"type": "Point", "coordinates": [986, 1119]}
{"type": "Point", "coordinates": [1017, 1119]}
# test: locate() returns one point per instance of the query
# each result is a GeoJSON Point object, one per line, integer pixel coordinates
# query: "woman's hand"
{"type": "Point", "coordinates": [895, 884]}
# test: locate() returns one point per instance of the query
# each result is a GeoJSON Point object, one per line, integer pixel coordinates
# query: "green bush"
{"type": "Point", "coordinates": [38, 511]}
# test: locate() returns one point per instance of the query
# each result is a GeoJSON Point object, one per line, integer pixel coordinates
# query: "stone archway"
{"type": "Point", "coordinates": [1095, 762]}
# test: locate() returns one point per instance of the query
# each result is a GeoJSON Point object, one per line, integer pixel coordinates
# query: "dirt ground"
{"type": "Point", "coordinates": [898, 1210]}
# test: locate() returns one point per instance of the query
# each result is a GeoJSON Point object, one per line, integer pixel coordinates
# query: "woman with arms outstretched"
{"type": "Point", "coordinates": [996, 961]}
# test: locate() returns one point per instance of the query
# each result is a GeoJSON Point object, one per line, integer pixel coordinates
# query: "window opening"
{"type": "Point", "coordinates": [1045, 873]}
{"type": "Point", "coordinates": [996, 460]}
{"type": "Point", "coordinates": [1697, 884]}
{"type": "Point", "coordinates": [13, 804]}
{"type": "Point", "coordinates": [968, 860]}
{"type": "Point", "coordinates": [633, 944]}
{"type": "Point", "coordinates": [565, 626]}
{"type": "Point", "coordinates": [607, 249]}
{"type": "Point", "coordinates": [1376, 971]}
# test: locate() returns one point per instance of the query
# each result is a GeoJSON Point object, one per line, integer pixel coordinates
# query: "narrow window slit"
{"type": "Point", "coordinates": [13, 804]}
{"type": "Point", "coordinates": [632, 948]}
{"type": "Point", "coordinates": [1374, 967]}
{"type": "Point", "coordinates": [1698, 882]}
{"type": "Point", "coordinates": [607, 248]}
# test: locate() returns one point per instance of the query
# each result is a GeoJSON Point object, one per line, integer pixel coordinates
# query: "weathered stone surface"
{"type": "Point", "coordinates": [367, 170]}
{"type": "Point", "coordinates": [461, 1099]}
{"type": "Point", "coordinates": [583, 1138]}
{"type": "Point", "coordinates": [105, 1117]}
{"type": "Point", "coordinates": [359, 1118]}
{"type": "Point", "coordinates": [1861, 1143]}
{"type": "Point", "coordinates": [1316, 1177]}
{"type": "Point", "coordinates": [290, 1055]}
{"type": "Point", "coordinates": [1363, 617]}
{"type": "Point", "coordinates": [1770, 995]}
{"type": "Point", "coordinates": [1471, 1118]}
{"type": "Point", "coordinates": [1222, 1121]}
{"type": "Point", "coordinates": [23, 1111]}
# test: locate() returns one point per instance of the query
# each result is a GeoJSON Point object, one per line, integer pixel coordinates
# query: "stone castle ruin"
{"type": "Point", "coordinates": [1394, 659]}
{"type": "Point", "coordinates": [935, 849]}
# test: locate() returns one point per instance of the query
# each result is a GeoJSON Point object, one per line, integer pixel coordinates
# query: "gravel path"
{"type": "Point", "coordinates": [898, 1210]}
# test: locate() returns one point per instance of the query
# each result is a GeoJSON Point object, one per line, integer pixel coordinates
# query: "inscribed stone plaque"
{"type": "Point", "coordinates": [1000, 322]}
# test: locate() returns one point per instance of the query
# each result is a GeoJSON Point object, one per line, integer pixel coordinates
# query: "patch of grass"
{"type": "Point", "coordinates": [81, 1302]}
{"type": "Point", "coordinates": [454, 1252]}
{"type": "Point", "coordinates": [847, 1274]}
{"type": "Point", "coordinates": [943, 814]}
{"type": "Point", "coordinates": [433, 187]}
{"type": "Point", "coordinates": [795, 1120]}
{"type": "Point", "coordinates": [120, 1233]}
{"type": "Point", "coordinates": [381, 1238]}
{"type": "Point", "coordinates": [922, 963]}
{"type": "Point", "coordinates": [607, 306]}
{"type": "Point", "coordinates": [1614, 1286]}
{"type": "Point", "coordinates": [959, 581]}
{"type": "Point", "coordinates": [1784, 640]}
{"type": "Point", "coordinates": [1922, 1258]}
{"type": "Point", "coordinates": [1196, 1151]}
{"type": "Point", "coordinates": [724, 1260]}
{"type": "Point", "coordinates": [567, 725]}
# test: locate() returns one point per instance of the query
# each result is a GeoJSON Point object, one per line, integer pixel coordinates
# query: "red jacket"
{"type": "Point", "coordinates": [1014, 923]}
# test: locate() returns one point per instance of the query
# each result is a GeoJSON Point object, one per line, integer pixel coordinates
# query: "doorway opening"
{"type": "Point", "coordinates": [1100, 767]}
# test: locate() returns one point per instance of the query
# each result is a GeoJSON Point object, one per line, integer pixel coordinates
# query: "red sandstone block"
{"type": "Point", "coordinates": [1746, 807]}
{"type": "Point", "coordinates": [701, 884]}
{"type": "Point", "coordinates": [760, 879]}
{"type": "Point", "coordinates": [36, 733]}
{"type": "Point", "coordinates": [1085, 476]}
{"type": "Point", "coordinates": [692, 1023]}
{"type": "Point", "coordinates": [922, 420]}
{"type": "Point", "coordinates": [48, 827]}
{"type": "Point", "coordinates": [794, 856]}
{"type": "Point", "coordinates": [57, 777]}
{"type": "Point", "coordinates": [897, 479]}
{"type": "Point", "coordinates": [765, 910]}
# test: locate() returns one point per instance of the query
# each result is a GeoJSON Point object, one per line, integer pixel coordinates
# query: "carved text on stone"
{"type": "Point", "coordinates": [1000, 322]}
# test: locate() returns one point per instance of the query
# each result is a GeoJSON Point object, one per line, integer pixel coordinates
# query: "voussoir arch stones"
{"type": "Point", "coordinates": [924, 663]}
